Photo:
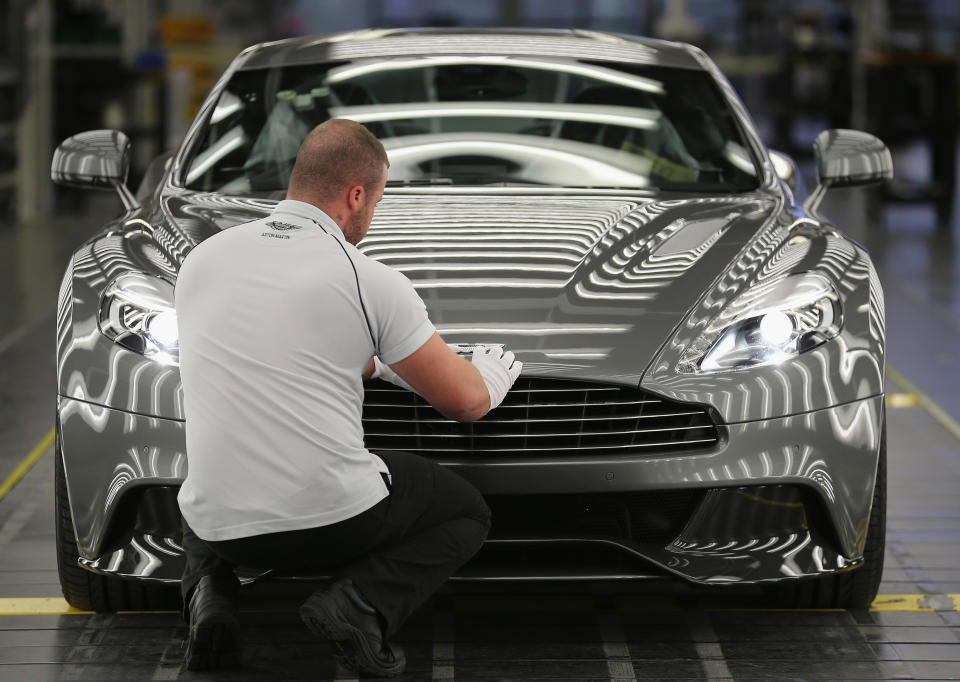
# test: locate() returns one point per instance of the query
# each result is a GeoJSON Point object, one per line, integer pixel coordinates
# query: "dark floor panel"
{"type": "Point", "coordinates": [784, 670]}
{"type": "Point", "coordinates": [935, 619]}
{"type": "Point", "coordinates": [762, 635]}
{"type": "Point", "coordinates": [36, 637]}
{"type": "Point", "coordinates": [31, 673]}
{"type": "Point", "coordinates": [532, 667]}
{"type": "Point", "coordinates": [809, 650]}
{"type": "Point", "coordinates": [28, 390]}
{"type": "Point", "coordinates": [934, 671]}
{"type": "Point", "coordinates": [928, 652]}
{"type": "Point", "coordinates": [916, 635]}
{"type": "Point", "coordinates": [30, 577]}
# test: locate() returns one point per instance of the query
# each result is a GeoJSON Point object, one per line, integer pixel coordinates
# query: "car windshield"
{"type": "Point", "coordinates": [495, 120]}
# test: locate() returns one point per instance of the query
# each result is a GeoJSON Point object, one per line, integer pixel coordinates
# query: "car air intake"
{"type": "Point", "coordinates": [539, 417]}
{"type": "Point", "coordinates": [649, 516]}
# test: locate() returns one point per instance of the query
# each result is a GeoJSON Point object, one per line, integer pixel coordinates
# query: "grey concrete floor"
{"type": "Point", "coordinates": [559, 632]}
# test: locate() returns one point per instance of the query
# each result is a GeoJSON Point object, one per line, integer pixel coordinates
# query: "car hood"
{"type": "Point", "coordinates": [576, 286]}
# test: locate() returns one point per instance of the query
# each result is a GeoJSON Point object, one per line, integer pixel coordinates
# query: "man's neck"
{"type": "Point", "coordinates": [336, 212]}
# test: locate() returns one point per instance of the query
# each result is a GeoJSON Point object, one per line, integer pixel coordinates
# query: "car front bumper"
{"type": "Point", "coordinates": [780, 498]}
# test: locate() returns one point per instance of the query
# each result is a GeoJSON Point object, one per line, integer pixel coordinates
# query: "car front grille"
{"type": "Point", "coordinates": [539, 417]}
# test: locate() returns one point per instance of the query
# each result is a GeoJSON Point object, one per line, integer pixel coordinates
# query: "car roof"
{"type": "Point", "coordinates": [545, 43]}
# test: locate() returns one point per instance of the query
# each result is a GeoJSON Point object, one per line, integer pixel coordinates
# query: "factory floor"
{"type": "Point", "coordinates": [513, 632]}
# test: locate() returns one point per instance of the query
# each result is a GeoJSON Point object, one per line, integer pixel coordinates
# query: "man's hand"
{"type": "Point", "coordinates": [459, 389]}
{"type": "Point", "coordinates": [498, 369]}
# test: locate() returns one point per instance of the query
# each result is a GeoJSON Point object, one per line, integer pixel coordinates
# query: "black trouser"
{"type": "Point", "coordinates": [398, 552]}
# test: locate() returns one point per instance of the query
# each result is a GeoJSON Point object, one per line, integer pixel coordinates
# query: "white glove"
{"type": "Point", "coordinates": [498, 369]}
{"type": "Point", "coordinates": [382, 370]}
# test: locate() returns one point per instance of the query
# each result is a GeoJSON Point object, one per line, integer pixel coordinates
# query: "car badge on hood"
{"type": "Point", "coordinates": [467, 348]}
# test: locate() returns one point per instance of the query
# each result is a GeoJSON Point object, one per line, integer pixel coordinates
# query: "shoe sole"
{"type": "Point", "coordinates": [351, 648]}
{"type": "Point", "coordinates": [213, 646]}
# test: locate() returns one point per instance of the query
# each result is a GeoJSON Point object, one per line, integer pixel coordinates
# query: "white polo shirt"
{"type": "Point", "coordinates": [273, 342]}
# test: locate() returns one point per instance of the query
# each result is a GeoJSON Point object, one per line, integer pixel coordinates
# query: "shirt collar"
{"type": "Point", "coordinates": [302, 209]}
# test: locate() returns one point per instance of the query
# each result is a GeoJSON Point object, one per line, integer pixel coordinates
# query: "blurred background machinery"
{"type": "Point", "coordinates": [886, 66]}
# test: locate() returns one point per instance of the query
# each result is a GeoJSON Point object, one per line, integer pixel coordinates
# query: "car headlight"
{"type": "Point", "coordinates": [767, 325]}
{"type": "Point", "coordinates": [137, 312]}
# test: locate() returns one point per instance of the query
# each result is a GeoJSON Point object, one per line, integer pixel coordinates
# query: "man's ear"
{"type": "Point", "coordinates": [355, 196]}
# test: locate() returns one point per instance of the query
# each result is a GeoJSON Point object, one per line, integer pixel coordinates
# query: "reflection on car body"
{"type": "Point", "coordinates": [702, 393]}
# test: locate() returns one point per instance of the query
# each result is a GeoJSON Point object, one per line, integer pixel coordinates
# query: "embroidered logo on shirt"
{"type": "Point", "coordinates": [277, 225]}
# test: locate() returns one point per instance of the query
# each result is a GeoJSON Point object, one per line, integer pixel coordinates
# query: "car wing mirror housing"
{"type": "Point", "coordinates": [95, 159]}
{"type": "Point", "coordinates": [848, 158]}
{"type": "Point", "coordinates": [786, 169]}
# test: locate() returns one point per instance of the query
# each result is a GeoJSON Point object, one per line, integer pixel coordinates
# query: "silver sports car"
{"type": "Point", "coordinates": [702, 390]}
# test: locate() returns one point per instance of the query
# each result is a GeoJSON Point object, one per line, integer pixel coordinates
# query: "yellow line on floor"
{"type": "Point", "coordinates": [900, 602]}
{"type": "Point", "coordinates": [902, 400]}
{"type": "Point", "coordinates": [937, 412]}
{"type": "Point", "coordinates": [26, 464]}
{"type": "Point", "coordinates": [35, 606]}
{"type": "Point", "coordinates": [916, 602]}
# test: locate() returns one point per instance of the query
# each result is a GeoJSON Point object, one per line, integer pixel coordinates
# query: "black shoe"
{"type": "Point", "coordinates": [214, 627]}
{"type": "Point", "coordinates": [337, 612]}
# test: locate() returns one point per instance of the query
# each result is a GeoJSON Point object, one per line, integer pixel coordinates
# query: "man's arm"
{"type": "Point", "coordinates": [459, 389]}
{"type": "Point", "coordinates": [445, 380]}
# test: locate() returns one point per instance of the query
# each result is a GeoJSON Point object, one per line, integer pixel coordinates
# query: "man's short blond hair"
{"type": "Point", "coordinates": [336, 155]}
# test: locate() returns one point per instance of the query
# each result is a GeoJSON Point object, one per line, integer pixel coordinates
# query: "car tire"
{"type": "Point", "coordinates": [88, 591]}
{"type": "Point", "coordinates": [857, 588]}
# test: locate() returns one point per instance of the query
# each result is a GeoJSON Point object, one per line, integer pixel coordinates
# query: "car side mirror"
{"type": "Point", "coordinates": [95, 159]}
{"type": "Point", "coordinates": [848, 158]}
